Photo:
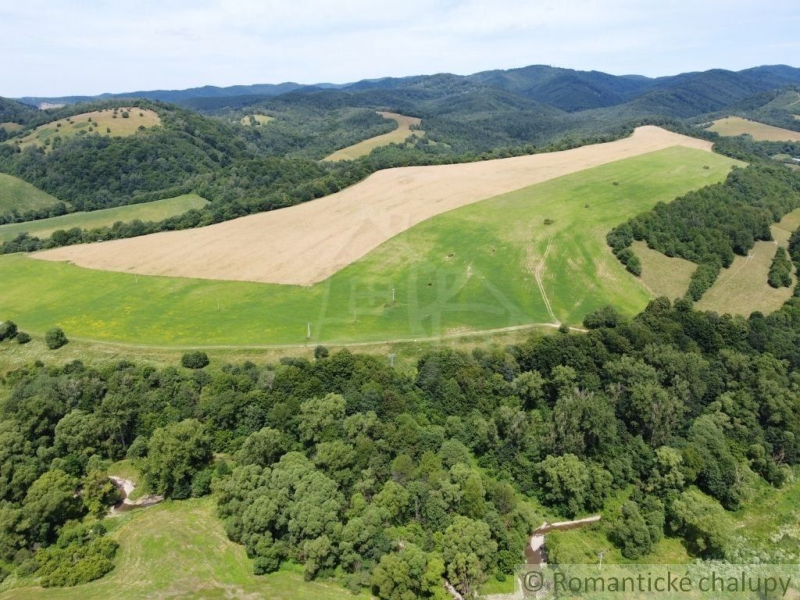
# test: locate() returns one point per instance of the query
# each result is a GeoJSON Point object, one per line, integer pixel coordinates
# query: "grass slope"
{"type": "Point", "coordinates": [761, 132]}
{"type": "Point", "coordinates": [397, 136]}
{"type": "Point", "coordinates": [147, 211]}
{"type": "Point", "coordinates": [742, 288]}
{"type": "Point", "coordinates": [180, 550]}
{"type": "Point", "coordinates": [21, 195]}
{"type": "Point", "coordinates": [663, 275]}
{"type": "Point", "coordinates": [11, 127]}
{"type": "Point", "coordinates": [100, 121]}
{"type": "Point", "coordinates": [470, 269]}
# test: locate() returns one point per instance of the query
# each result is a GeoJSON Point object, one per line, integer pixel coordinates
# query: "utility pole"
{"type": "Point", "coordinates": [308, 335]}
{"type": "Point", "coordinates": [392, 295]}
{"type": "Point", "coordinates": [391, 360]}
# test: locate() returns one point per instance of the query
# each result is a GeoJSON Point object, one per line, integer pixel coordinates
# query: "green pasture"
{"type": "Point", "coordinates": [19, 195]}
{"type": "Point", "coordinates": [469, 269]}
{"type": "Point", "coordinates": [180, 550]}
{"type": "Point", "coordinates": [147, 211]}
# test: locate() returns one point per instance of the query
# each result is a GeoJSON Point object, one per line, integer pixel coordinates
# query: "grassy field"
{"type": "Point", "coordinates": [759, 131]}
{"type": "Point", "coordinates": [459, 272]}
{"type": "Point", "coordinates": [99, 121]}
{"type": "Point", "coordinates": [397, 136]}
{"type": "Point", "coordinates": [770, 521]}
{"type": "Point", "coordinates": [11, 127]}
{"type": "Point", "coordinates": [21, 195]}
{"type": "Point", "coordinates": [148, 211]}
{"type": "Point", "coordinates": [259, 120]}
{"type": "Point", "coordinates": [180, 550]}
{"type": "Point", "coordinates": [742, 288]}
{"type": "Point", "coordinates": [662, 275]}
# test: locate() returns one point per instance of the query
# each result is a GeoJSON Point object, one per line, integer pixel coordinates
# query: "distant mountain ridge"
{"type": "Point", "coordinates": [566, 89]}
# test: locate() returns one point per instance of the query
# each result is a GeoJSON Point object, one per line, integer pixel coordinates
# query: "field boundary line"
{"type": "Point", "coordinates": [312, 343]}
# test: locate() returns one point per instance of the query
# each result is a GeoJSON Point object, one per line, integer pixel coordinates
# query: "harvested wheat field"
{"type": "Point", "coordinates": [397, 136]}
{"type": "Point", "coordinates": [307, 243]}
{"type": "Point", "coordinates": [760, 131]}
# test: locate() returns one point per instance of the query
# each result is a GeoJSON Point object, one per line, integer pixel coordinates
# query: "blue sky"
{"type": "Point", "coordinates": [60, 47]}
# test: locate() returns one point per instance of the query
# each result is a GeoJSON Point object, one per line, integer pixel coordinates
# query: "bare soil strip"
{"type": "Point", "coordinates": [307, 243]}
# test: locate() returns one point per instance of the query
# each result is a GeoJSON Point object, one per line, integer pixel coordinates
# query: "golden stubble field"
{"type": "Point", "coordinates": [397, 136]}
{"type": "Point", "coordinates": [761, 132]}
{"type": "Point", "coordinates": [307, 243]}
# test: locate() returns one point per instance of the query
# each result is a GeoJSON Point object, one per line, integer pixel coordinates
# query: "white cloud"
{"type": "Point", "coordinates": [58, 47]}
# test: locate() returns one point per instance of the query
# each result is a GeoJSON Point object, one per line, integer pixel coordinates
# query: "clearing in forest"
{"type": "Point", "coordinates": [663, 275]}
{"type": "Point", "coordinates": [761, 132]}
{"type": "Point", "coordinates": [111, 121]}
{"type": "Point", "coordinates": [11, 127]}
{"type": "Point", "coordinates": [19, 195]}
{"type": "Point", "coordinates": [256, 120]}
{"type": "Point", "coordinates": [180, 550]}
{"type": "Point", "coordinates": [532, 256]}
{"type": "Point", "coordinates": [397, 136]}
{"type": "Point", "coordinates": [307, 243]}
{"type": "Point", "coordinates": [157, 210]}
{"type": "Point", "coordinates": [742, 288]}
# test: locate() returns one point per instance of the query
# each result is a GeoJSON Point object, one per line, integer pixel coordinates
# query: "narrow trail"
{"type": "Point", "coordinates": [538, 275]}
{"type": "Point", "coordinates": [724, 281]}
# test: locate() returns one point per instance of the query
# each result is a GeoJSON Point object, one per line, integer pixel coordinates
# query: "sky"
{"type": "Point", "coordinates": [86, 47]}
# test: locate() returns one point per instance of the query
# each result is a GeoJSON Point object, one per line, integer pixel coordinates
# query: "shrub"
{"type": "Point", "coordinates": [8, 330]}
{"type": "Point", "coordinates": [125, 114]}
{"type": "Point", "coordinates": [55, 338]}
{"type": "Point", "coordinates": [195, 360]}
{"type": "Point", "coordinates": [23, 338]}
{"type": "Point", "coordinates": [321, 352]}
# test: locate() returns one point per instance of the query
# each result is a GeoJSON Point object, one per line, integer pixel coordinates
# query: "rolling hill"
{"type": "Point", "coordinates": [464, 270]}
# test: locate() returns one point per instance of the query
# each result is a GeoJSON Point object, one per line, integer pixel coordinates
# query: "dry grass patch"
{"type": "Point", "coordinates": [742, 288]}
{"type": "Point", "coordinates": [256, 120]}
{"type": "Point", "coordinates": [397, 136]}
{"type": "Point", "coordinates": [11, 127]}
{"type": "Point", "coordinates": [761, 132]}
{"type": "Point", "coordinates": [307, 243]}
{"type": "Point", "coordinates": [110, 121]}
{"type": "Point", "coordinates": [662, 275]}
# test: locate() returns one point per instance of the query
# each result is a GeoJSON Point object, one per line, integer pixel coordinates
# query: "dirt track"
{"type": "Point", "coordinates": [307, 243]}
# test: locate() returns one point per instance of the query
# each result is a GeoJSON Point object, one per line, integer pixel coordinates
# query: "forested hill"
{"type": "Point", "coordinates": [14, 112]}
{"type": "Point", "coordinates": [565, 89]}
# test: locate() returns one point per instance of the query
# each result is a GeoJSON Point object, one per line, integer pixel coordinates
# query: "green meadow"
{"type": "Point", "coordinates": [147, 211]}
{"type": "Point", "coordinates": [180, 550]}
{"type": "Point", "coordinates": [16, 194]}
{"type": "Point", "coordinates": [536, 255]}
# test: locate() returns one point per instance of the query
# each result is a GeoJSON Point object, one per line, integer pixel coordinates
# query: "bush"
{"type": "Point", "coordinates": [23, 338]}
{"type": "Point", "coordinates": [321, 352]}
{"type": "Point", "coordinates": [125, 115]}
{"type": "Point", "coordinates": [55, 338]}
{"type": "Point", "coordinates": [8, 330]}
{"type": "Point", "coordinates": [195, 360]}
{"type": "Point", "coordinates": [82, 554]}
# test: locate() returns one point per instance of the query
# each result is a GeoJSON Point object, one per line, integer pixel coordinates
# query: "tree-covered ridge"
{"type": "Point", "coordinates": [12, 111]}
{"type": "Point", "coordinates": [712, 225]}
{"type": "Point", "coordinates": [369, 474]}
